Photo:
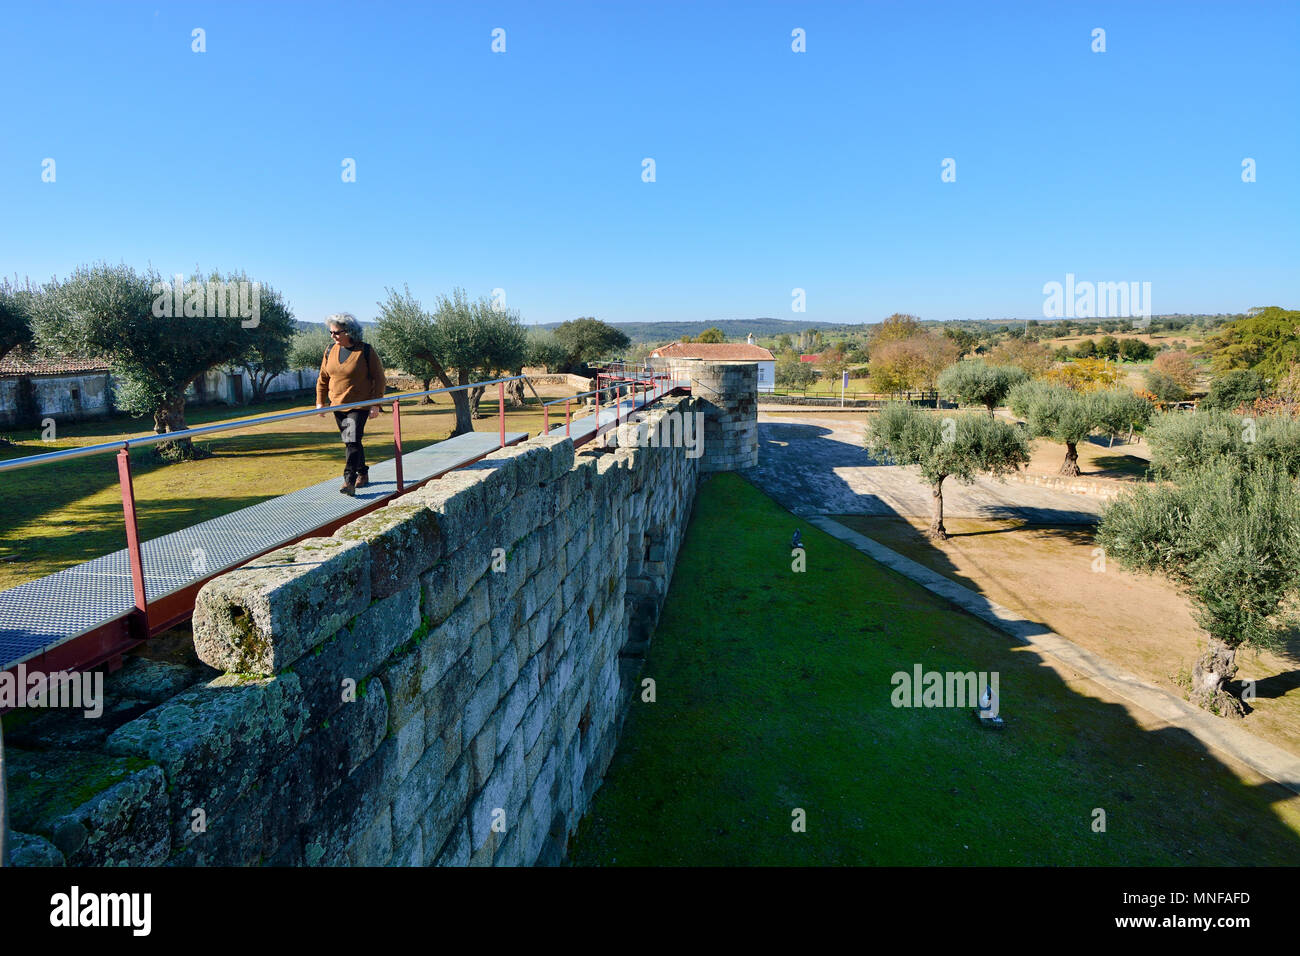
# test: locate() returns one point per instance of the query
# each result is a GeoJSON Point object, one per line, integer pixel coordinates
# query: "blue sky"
{"type": "Point", "coordinates": [774, 170]}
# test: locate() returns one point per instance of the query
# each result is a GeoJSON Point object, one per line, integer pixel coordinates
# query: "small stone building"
{"type": "Point", "coordinates": [33, 388]}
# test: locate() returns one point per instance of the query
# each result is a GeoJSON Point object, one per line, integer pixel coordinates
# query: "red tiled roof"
{"type": "Point", "coordinates": [717, 351]}
{"type": "Point", "coordinates": [817, 357]}
{"type": "Point", "coordinates": [18, 362]}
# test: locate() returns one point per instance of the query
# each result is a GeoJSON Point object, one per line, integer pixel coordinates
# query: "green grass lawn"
{"type": "Point", "coordinates": [773, 693]}
{"type": "Point", "coordinates": [61, 514]}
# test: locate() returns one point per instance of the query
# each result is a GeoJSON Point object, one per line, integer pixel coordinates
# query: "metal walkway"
{"type": "Point", "coordinates": [40, 615]}
{"type": "Point", "coordinates": [584, 429]}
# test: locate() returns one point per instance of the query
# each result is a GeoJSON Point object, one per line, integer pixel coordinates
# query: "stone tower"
{"type": "Point", "coordinates": [728, 394]}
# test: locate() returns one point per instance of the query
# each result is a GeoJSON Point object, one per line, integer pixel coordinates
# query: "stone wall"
{"type": "Point", "coordinates": [65, 398]}
{"type": "Point", "coordinates": [441, 681]}
{"type": "Point", "coordinates": [1105, 488]}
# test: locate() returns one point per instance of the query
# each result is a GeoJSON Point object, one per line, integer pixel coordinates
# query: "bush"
{"type": "Point", "coordinates": [1164, 387]}
{"type": "Point", "coordinates": [1229, 534]}
{"type": "Point", "coordinates": [1236, 388]}
{"type": "Point", "coordinates": [1181, 443]}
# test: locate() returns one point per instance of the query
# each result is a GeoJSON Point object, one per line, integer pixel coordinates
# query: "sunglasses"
{"type": "Point", "coordinates": [336, 332]}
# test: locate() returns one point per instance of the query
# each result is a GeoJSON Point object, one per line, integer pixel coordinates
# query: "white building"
{"type": "Point", "coordinates": [680, 354]}
{"type": "Point", "coordinates": [70, 390]}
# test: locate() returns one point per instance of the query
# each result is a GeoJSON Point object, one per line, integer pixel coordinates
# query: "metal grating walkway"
{"type": "Point", "coordinates": [42, 614]}
{"type": "Point", "coordinates": [580, 428]}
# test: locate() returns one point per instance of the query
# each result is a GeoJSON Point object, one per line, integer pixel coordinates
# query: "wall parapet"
{"type": "Point", "coordinates": [441, 681]}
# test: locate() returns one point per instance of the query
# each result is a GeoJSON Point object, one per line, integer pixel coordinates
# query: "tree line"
{"type": "Point", "coordinates": [112, 312]}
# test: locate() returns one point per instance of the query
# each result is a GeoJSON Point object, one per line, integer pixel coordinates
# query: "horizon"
{"type": "Point", "coordinates": [774, 170]}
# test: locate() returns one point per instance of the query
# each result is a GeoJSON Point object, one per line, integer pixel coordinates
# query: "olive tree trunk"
{"type": "Point", "coordinates": [170, 417]}
{"type": "Point", "coordinates": [936, 529]}
{"type": "Point", "coordinates": [475, 396]}
{"type": "Point", "coordinates": [1212, 670]}
{"type": "Point", "coordinates": [1070, 467]}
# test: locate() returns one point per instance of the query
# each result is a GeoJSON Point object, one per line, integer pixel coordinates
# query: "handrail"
{"type": "Point", "coordinates": [15, 463]}
{"type": "Point", "coordinates": [569, 398]}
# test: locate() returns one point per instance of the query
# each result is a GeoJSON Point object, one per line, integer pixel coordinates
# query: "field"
{"type": "Point", "coordinates": [61, 514]}
{"type": "Point", "coordinates": [1140, 623]}
{"type": "Point", "coordinates": [774, 701]}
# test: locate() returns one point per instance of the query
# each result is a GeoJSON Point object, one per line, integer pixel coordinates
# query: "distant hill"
{"type": "Point", "coordinates": [765, 327]}
{"type": "Point", "coordinates": [734, 329]}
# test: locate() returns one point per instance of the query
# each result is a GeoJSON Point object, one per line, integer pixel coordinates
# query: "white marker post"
{"type": "Point", "coordinates": [844, 383]}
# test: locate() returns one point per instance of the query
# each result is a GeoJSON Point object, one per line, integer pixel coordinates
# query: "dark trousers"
{"type": "Point", "coordinates": [352, 426]}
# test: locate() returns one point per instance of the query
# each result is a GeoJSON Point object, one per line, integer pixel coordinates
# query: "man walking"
{"type": "Point", "coordinates": [350, 371]}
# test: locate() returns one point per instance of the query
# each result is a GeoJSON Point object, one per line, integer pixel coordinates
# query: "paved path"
{"type": "Point", "coordinates": [818, 466]}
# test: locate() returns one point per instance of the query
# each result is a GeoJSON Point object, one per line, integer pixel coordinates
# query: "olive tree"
{"type": "Point", "coordinates": [15, 317]}
{"type": "Point", "coordinates": [544, 350]}
{"type": "Point", "coordinates": [587, 339]}
{"type": "Point", "coordinates": [409, 339]}
{"type": "Point", "coordinates": [110, 311]}
{"type": "Point", "coordinates": [267, 343]}
{"type": "Point", "coordinates": [1228, 532]}
{"type": "Point", "coordinates": [471, 338]}
{"type": "Point", "coordinates": [307, 348]}
{"type": "Point", "coordinates": [1117, 409]}
{"type": "Point", "coordinates": [1056, 412]}
{"type": "Point", "coordinates": [498, 348]}
{"type": "Point", "coordinates": [975, 383]}
{"type": "Point", "coordinates": [950, 446]}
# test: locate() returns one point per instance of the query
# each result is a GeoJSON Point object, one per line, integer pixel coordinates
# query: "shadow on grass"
{"type": "Point", "coordinates": [788, 710]}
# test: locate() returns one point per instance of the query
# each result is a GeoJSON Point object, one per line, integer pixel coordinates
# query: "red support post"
{"type": "Point", "coordinates": [501, 410]}
{"type": "Point", "coordinates": [567, 419]}
{"type": "Point", "coordinates": [132, 537]}
{"type": "Point", "coordinates": [397, 444]}
{"type": "Point", "coordinates": [546, 419]}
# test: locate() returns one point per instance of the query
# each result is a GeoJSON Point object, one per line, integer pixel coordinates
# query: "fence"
{"type": "Point", "coordinates": [921, 396]}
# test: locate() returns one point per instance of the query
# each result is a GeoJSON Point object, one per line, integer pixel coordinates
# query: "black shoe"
{"type": "Point", "coordinates": [349, 488]}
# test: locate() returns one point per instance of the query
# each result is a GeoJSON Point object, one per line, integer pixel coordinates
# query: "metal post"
{"type": "Point", "coordinates": [546, 419]}
{"type": "Point", "coordinates": [4, 807]}
{"type": "Point", "coordinates": [397, 443]}
{"type": "Point", "coordinates": [501, 406]}
{"type": "Point", "coordinates": [132, 535]}
{"type": "Point", "coordinates": [566, 417]}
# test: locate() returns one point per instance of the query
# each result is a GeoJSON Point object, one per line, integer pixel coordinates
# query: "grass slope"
{"type": "Point", "coordinates": [773, 693]}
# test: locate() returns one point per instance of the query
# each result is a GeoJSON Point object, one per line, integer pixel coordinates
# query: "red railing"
{"type": "Point", "coordinates": [634, 377]}
{"type": "Point", "coordinates": [176, 608]}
